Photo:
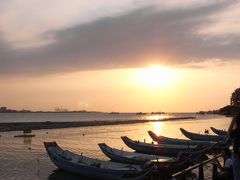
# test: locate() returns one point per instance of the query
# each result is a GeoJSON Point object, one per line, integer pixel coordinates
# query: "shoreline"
{"type": "Point", "coordinates": [20, 126]}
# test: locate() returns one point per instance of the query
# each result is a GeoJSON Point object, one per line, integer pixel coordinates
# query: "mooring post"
{"type": "Point", "coordinates": [201, 173]}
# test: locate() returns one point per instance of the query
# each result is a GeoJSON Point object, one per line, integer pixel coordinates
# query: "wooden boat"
{"type": "Point", "coordinates": [218, 131]}
{"type": "Point", "coordinates": [25, 135]}
{"type": "Point", "coordinates": [172, 164]}
{"type": "Point", "coordinates": [93, 168]}
{"type": "Point", "coordinates": [202, 137]}
{"type": "Point", "coordinates": [141, 113]}
{"type": "Point", "coordinates": [158, 149]}
{"type": "Point", "coordinates": [158, 112]}
{"type": "Point", "coordinates": [167, 140]}
{"type": "Point", "coordinates": [132, 157]}
{"type": "Point", "coordinates": [114, 113]}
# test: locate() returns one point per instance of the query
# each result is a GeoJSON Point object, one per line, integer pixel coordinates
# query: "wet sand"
{"type": "Point", "coordinates": [19, 126]}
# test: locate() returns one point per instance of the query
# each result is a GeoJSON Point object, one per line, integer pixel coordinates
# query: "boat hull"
{"type": "Point", "coordinates": [218, 131]}
{"type": "Point", "coordinates": [167, 140]}
{"type": "Point", "coordinates": [132, 157]}
{"type": "Point", "coordinates": [163, 150]}
{"type": "Point", "coordinates": [202, 137]}
{"type": "Point", "coordinates": [90, 171]}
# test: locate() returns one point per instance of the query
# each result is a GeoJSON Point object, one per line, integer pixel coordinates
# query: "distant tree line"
{"type": "Point", "coordinates": [234, 106]}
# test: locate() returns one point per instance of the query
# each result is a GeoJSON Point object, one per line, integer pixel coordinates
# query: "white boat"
{"type": "Point", "coordinates": [93, 168]}
{"type": "Point", "coordinates": [132, 157]}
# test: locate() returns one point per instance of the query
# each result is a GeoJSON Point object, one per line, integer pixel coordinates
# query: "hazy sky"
{"type": "Point", "coordinates": [128, 55]}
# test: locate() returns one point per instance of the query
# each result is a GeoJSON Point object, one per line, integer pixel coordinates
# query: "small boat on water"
{"type": "Point", "coordinates": [94, 168]}
{"type": "Point", "coordinates": [132, 157]}
{"type": "Point", "coordinates": [172, 164]}
{"type": "Point", "coordinates": [158, 112]}
{"type": "Point", "coordinates": [219, 131]}
{"type": "Point", "coordinates": [202, 137]}
{"type": "Point", "coordinates": [114, 113]}
{"type": "Point", "coordinates": [25, 135]}
{"type": "Point", "coordinates": [167, 140]}
{"type": "Point", "coordinates": [158, 149]}
{"type": "Point", "coordinates": [141, 113]}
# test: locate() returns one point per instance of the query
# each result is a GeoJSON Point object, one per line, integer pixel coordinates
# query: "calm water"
{"type": "Point", "coordinates": [18, 156]}
{"type": "Point", "coordinates": [60, 117]}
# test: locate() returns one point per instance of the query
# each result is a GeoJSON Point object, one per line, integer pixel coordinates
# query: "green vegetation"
{"type": "Point", "coordinates": [234, 107]}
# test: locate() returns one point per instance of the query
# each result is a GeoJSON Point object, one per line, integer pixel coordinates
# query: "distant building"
{"type": "Point", "coordinates": [3, 109]}
{"type": "Point", "coordinates": [57, 109]}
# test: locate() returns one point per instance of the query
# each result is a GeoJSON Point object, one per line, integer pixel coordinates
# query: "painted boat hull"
{"type": "Point", "coordinates": [218, 131]}
{"type": "Point", "coordinates": [89, 171]}
{"type": "Point", "coordinates": [167, 140]}
{"type": "Point", "coordinates": [202, 137]}
{"type": "Point", "coordinates": [132, 157]}
{"type": "Point", "coordinates": [157, 149]}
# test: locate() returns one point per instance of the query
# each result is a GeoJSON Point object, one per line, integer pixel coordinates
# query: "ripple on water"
{"type": "Point", "coordinates": [20, 163]}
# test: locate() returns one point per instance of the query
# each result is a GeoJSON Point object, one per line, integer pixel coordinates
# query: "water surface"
{"type": "Point", "coordinates": [19, 155]}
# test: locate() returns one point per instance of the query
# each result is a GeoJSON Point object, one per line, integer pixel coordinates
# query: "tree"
{"type": "Point", "coordinates": [235, 98]}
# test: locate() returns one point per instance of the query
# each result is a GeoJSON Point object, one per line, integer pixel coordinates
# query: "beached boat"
{"type": "Point", "coordinates": [132, 157]}
{"type": "Point", "coordinates": [202, 137]}
{"type": "Point", "coordinates": [166, 140]}
{"type": "Point", "coordinates": [158, 149]}
{"type": "Point", "coordinates": [218, 131]}
{"type": "Point", "coordinates": [93, 168]}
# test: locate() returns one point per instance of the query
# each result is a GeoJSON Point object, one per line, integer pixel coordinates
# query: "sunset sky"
{"type": "Point", "coordinates": [126, 55]}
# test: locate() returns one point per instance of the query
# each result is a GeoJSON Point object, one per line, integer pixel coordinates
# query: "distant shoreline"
{"type": "Point", "coordinates": [20, 126]}
{"type": "Point", "coordinates": [15, 111]}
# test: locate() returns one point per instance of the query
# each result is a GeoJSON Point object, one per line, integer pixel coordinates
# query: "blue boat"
{"type": "Point", "coordinates": [133, 157]}
{"type": "Point", "coordinates": [203, 137]}
{"type": "Point", "coordinates": [219, 131]}
{"type": "Point", "coordinates": [93, 168]}
{"type": "Point", "coordinates": [159, 149]}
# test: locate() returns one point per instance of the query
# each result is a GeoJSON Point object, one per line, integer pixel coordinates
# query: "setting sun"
{"type": "Point", "coordinates": [155, 77]}
{"type": "Point", "coordinates": [86, 83]}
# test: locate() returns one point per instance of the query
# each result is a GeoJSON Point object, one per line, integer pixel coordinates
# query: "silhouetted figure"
{"type": "Point", "coordinates": [226, 171]}
{"type": "Point", "coordinates": [234, 132]}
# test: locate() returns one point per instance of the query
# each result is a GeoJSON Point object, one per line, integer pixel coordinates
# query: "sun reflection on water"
{"type": "Point", "coordinates": [157, 127]}
{"type": "Point", "coordinates": [157, 117]}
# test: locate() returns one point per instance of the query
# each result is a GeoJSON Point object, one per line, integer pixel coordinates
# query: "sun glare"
{"type": "Point", "coordinates": [157, 117]}
{"type": "Point", "coordinates": [156, 77]}
{"type": "Point", "coordinates": [157, 126]}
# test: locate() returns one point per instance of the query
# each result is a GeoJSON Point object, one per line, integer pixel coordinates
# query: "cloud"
{"type": "Point", "coordinates": [24, 22]}
{"type": "Point", "coordinates": [224, 22]}
{"type": "Point", "coordinates": [138, 38]}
